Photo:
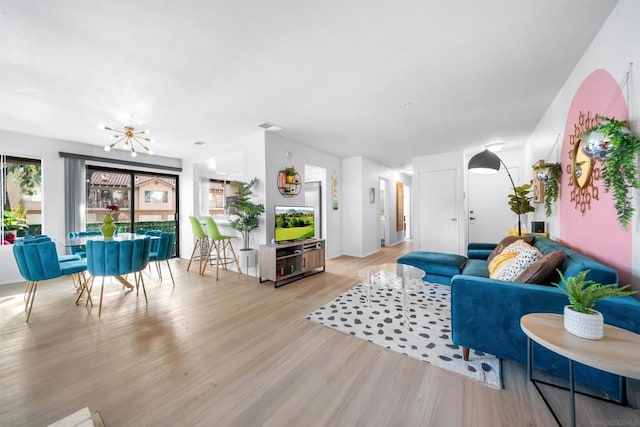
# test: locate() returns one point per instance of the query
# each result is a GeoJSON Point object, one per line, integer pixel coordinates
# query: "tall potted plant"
{"type": "Point", "coordinates": [617, 148]}
{"type": "Point", "coordinates": [520, 202]}
{"type": "Point", "coordinates": [247, 212]}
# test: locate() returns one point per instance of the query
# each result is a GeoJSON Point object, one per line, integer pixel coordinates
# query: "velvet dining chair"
{"type": "Point", "coordinates": [162, 250]}
{"type": "Point", "coordinates": [116, 258]}
{"type": "Point", "coordinates": [38, 261]}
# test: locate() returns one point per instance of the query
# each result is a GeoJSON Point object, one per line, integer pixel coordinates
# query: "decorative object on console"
{"type": "Point", "coordinates": [549, 174]}
{"type": "Point", "coordinates": [488, 162]}
{"type": "Point", "coordinates": [580, 318]}
{"type": "Point", "coordinates": [130, 138]}
{"type": "Point", "coordinates": [611, 142]}
{"type": "Point", "coordinates": [247, 212]}
{"type": "Point", "coordinates": [289, 182]}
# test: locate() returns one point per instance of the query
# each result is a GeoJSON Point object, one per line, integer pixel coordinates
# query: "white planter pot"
{"type": "Point", "coordinates": [589, 326]}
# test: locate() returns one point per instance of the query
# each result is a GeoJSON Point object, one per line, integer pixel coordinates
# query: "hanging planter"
{"type": "Point", "coordinates": [617, 148]}
{"type": "Point", "coordinates": [549, 174]}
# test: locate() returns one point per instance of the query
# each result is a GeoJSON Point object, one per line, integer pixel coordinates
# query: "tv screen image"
{"type": "Point", "coordinates": [294, 222]}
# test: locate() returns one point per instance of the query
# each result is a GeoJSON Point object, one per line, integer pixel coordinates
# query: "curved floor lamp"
{"type": "Point", "coordinates": [487, 162]}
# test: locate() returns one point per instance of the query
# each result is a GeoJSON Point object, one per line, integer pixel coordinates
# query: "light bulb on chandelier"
{"type": "Point", "coordinates": [130, 138]}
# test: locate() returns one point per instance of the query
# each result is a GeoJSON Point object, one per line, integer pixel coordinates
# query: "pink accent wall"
{"type": "Point", "coordinates": [596, 233]}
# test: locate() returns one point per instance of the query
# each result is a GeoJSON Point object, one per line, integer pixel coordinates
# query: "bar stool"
{"type": "Point", "coordinates": [220, 241]}
{"type": "Point", "coordinates": [200, 239]}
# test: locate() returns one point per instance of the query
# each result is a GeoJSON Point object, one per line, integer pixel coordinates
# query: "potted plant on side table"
{"type": "Point", "coordinates": [580, 318]}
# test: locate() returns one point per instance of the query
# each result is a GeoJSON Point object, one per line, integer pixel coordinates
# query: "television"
{"type": "Point", "coordinates": [294, 223]}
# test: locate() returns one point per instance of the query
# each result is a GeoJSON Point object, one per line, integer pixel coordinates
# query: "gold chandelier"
{"type": "Point", "coordinates": [131, 139]}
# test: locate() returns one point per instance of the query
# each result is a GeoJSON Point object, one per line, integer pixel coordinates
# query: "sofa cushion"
{"type": "Point", "coordinates": [542, 269]}
{"type": "Point", "coordinates": [476, 267]}
{"type": "Point", "coordinates": [437, 263]}
{"type": "Point", "coordinates": [507, 241]}
{"type": "Point", "coordinates": [501, 262]}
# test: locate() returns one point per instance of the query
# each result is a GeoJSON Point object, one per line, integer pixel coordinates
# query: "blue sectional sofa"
{"type": "Point", "coordinates": [486, 313]}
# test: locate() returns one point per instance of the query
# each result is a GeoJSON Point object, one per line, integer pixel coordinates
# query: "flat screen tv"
{"type": "Point", "coordinates": [294, 223]}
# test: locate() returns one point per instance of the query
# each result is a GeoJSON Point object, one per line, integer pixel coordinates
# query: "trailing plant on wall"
{"type": "Point", "coordinates": [551, 178]}
{"type": "Point", "coordinates": [617, 149]}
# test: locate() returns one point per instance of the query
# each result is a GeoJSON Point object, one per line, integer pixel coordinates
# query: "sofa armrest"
{"type": "Point", "coordinates": [480, 250]}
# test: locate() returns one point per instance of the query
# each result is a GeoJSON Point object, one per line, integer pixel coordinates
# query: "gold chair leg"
{"type": "Point", "coordinates": [101, 293]}
{"type": "Point", "coordinates": [32, 297]}
{"type": "Point", "coordinates": [202, 253]}
{"type": "Point", "coordinates": [144, 290]}
{"type": "Point", "coordinates": [85, 282]}
{"type": "Point", "coordinates": [27, 294]}
{"type": "Point", "coordinates": [171, 274]}
{"type": "Point", "coordinates": [89, 289]}
{"type": "Point", "coordinates": [217, 258]}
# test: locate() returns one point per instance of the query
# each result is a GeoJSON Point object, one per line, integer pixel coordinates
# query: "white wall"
{"type": "Point", "coordinates": [240, 160]}
{"type": "Point", "coordinates": [301, 155]}
{"type": "Point", "coordinates": [616, 45]}
{"type": "Point", "coordinates": [362, 218]}
{"type": "Point", "coordinates": [47, 149]}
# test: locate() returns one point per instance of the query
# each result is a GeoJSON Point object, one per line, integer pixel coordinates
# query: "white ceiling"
{"type": "Point", "coordinates": [337, 75]}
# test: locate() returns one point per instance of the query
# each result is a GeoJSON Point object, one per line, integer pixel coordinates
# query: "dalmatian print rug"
{"type": "Point", "coordinates": [377, 316]}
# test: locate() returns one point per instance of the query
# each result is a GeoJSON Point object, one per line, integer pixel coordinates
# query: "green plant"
{"type": "Point", "coordinates": [248, 213]}
{"type": "Point", "coordinates": [11, 222]}
{"type": "Point", "coordinates": [583, 294]}
{"type": "Point", "coordinates": [520, 201]}
{"type": "Point", "coordinates": [620, 171]}
{"type": "Point", "coordinates": [289, 171]}
{"type": "Point", "coordinates": [551, 184]}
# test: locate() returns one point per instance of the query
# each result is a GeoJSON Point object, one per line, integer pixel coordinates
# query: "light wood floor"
{"type": "Point", "coordinates": [236, 352]}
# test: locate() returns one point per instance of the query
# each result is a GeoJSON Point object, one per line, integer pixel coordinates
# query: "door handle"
{"type": "Point", "coordinates": [473, 217]}
{"type": "Point", "coordinates": [454, 219]}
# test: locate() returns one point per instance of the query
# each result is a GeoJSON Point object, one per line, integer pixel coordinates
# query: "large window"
{"type": "Point", "coordinates": [21, 199]}
{"type": "Point", "coordinates": [219, 193]}
{"type": "Point", "coordinates": [145, 201]}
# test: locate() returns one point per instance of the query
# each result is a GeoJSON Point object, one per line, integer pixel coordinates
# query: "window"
{"type": "Point", "coordinates": [21, 198]}
{"type": "Point", "coordinates": [156, 196]}
{"type": "Point", "coordinates": [217, 190]}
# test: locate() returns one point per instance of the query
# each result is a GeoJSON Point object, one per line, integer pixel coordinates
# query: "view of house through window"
{"type": "Point", "coordinates": [143, 201]}
{"type": "Point", "coordinates": [21, 198]}
{"type": "Point", "coordinates": [218, 191]}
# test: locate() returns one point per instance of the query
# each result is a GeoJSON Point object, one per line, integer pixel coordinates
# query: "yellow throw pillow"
{"type": "Point", "coordinates": [500, 262]}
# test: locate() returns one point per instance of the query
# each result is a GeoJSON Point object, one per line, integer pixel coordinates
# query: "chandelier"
{"type": "Point", "coordinates": [131, 139]}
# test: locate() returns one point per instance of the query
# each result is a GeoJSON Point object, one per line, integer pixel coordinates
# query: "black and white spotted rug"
{"type": "Point", "coordinates": [428, 338]}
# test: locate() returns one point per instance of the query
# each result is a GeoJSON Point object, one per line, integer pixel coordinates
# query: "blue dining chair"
{"type": "Point", "coordinates": [38, 261]}
{"type": "Point", "coordinates": [80, 250]}
{"type": "Point", "coordinates": [163, 251]}
{"type": "Point", "coordinates": [116, 258]}
{"type": "Point", "coordinates": [45, 238]}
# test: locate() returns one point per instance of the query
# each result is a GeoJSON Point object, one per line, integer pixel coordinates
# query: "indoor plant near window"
{"type": "Point", "coordinates": [580, 318]}
{"type": "Point", "coordinates": [12, 224]}
{"type": "Point", "coordinates": [617, 148]}
{"type": "Point", "coordinates": [520, 201]}
{"type": "Point", "coordinates": [248, 213]}
{"type": "Point", "coordinates": [549, 174]}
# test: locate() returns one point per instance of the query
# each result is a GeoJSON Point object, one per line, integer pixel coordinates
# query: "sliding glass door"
{"type": "Point", "coordinates": [145, 201]}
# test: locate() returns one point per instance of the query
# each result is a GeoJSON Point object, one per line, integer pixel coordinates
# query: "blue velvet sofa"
{"type": "Point", "coordinates": [485, 313]}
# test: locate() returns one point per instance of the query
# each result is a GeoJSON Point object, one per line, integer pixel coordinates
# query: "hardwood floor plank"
{"type": "Point", "coordinates": [236, 352]}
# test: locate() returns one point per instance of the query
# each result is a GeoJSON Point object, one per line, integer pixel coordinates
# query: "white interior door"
{"type": "Point", "coordinates": [439, 211]}
{"type": "Point", "coordinates": [489, 215]}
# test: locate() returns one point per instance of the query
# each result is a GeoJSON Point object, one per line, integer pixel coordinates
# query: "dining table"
{"type": "Point", "coordinates": [82, 241]}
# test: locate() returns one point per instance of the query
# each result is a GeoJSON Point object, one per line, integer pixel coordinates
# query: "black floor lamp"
{"type": "Point", "coordinates": [487, 162]}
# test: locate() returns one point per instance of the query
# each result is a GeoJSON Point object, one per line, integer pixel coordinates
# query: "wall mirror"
{"type": "Point", "coordinates": [582, 166]}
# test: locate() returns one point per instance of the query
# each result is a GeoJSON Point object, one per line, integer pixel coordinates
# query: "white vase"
{"type": "Point", "coordinates": [589, 326]}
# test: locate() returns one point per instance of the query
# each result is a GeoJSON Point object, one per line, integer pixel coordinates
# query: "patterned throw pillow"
{"type": "Point", "coordinates": [516, 247]}
{"type": "Point", "coordinates": [500, 262]}
{"type": "Point", "coordinates": [520, 264]}
{"type": "Point", "coordinates": [507, 241]}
